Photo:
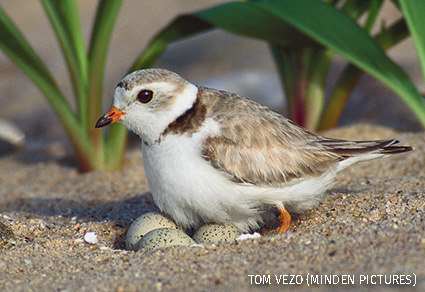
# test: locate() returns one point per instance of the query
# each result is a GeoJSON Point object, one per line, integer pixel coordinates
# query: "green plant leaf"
{"type": "Point", "coordinates": [373, 12]}
{"type": "Point", "coordinates": [241, 18]}
{"type": "Point", "coordinates": [104, 23]}
{"type": "Point", "coordinates": [346, 38]}
{"type": "Point", "coordinates": [351, 75]}
{"type": "Point", "coordinates": [64, 18]}
{"type": "Point", "coordinates": [180, 28]}
{"type": "Point", "coordinates": [315, 89]}
{"type": "Point", "coordinates": [355, 8]}
{"type": "Point", "coordinates": [414, 13]}
{"type": "Point", "coordinates": [257, 20]}
{"type": "Point", "coordinates": [106, 15]}
{"type": "Point", "coordinates": [280, 22]}
{"type": "Point", "coordinates": [15, 46]}
{"type": "Point", "coordinates": [115, 146]}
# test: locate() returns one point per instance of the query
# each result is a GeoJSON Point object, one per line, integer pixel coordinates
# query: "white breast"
{"type": "Point", "coordinates": [191, 191]}
{"type": "Point", "coordinates": [186, 186]}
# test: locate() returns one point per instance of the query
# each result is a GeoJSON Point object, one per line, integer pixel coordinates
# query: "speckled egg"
{"type": "Point", "coordinates": [214, 233]}
{"type": "Point", "coordinates": [145, 223]}
{"type": "Point", "coordinates": [163, 237]}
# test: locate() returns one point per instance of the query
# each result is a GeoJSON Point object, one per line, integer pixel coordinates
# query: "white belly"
{"type": "Point", "coordinates": [192, 192]}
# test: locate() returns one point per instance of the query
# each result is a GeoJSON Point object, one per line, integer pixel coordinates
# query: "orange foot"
{"type": "Point", "coordinates": [285, 219]}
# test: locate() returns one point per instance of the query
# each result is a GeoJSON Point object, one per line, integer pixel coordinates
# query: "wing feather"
{"type": "Point", "coordinates": [259, 146]}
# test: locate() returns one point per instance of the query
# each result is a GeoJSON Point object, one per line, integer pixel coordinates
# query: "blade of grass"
{"type": "Point", "coordinates": [115, 147]}
{"type": "Point", "coordinates": [351, 42]}
{"type": "Point", "coordinates": [64, 18]}
{"type": "Point", "coordinates": [260, 20]}
{"type": "Point", "coordinates": [285, 64]}
{"type": "Point", "coordinates": [299, 67]}
{"type": "Point", "coordinates": [303, 81]}
{"type": "Point", "coordinates": [280, 22]}
{"type": "Point", "coordinates": [355, 8]}
{"type": "Point", "coordinates": [15, 46]}
{"type": "Point", "coordinates": [106, 15]}
{"type": "Point", "coordinates": [351, 75]}
{"type": "Point", "coordinates": [306, 107]}
{"type": "Point", "coordinates": [414, 13]}
{"type": "Point", "coordinates": [315, 90]}
{"type": "Point", "coordinates": [235, 17]}
{"type": "Point", "coordinates": [180, 28]}
{"type": "Point", "coordinates": [373, 12]}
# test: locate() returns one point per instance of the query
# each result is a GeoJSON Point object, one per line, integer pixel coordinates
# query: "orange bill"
{"type": "Point", "coordinates": [112, 116]}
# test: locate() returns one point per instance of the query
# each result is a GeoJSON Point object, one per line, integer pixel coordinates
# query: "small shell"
{"type": "Point", "coordinates": [11, 133]}
{"type": "Point", "coordinates": [214, 233]}
{"type": "Point", "coordinates": [247, 236]}
{"type": "Point", "coordinates": [91, 237]}
{"type": "Point", "coordinates": [163, 237]}
{"type": "Point", "coordinates": [145, 223]}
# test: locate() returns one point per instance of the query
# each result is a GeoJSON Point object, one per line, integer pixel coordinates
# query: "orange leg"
{"type": "Point", "coordinates": [285, 219]}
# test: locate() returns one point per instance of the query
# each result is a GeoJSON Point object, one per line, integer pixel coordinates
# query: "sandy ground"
{"type": "Point", "coordinates": [370, 223]}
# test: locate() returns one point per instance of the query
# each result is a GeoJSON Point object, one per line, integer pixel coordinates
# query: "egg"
{"type": "Point", "coordinates": [163, 237]}
{"type": "Point", "coordinates": [144, 224]}
{"type": "Point", "coordinates": [214, 233]}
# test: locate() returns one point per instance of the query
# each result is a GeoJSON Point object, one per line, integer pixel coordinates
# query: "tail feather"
{"type": "Point", "coordinates": [348, 149]}
{"type": "Point", "coordinates": [351, 152]}
{"type": "Point", "coordinates": [389, 149]}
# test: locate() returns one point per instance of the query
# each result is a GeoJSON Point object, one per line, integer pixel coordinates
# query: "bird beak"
{"type": "Point", "coordinates": [112, 116]}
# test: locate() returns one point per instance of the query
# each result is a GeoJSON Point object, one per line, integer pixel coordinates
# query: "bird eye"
{"type": "Point", "coordinates": [145, 96]}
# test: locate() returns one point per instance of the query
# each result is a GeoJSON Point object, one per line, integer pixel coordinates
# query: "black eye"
{"type": "Point", "coordinates": [145, 96]}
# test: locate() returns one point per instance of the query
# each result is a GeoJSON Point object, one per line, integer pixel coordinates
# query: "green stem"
{"type": "Point", "coordinates": [106, 15]}
{"type": "Point", "coordinates": [320, 61]}
{"type": "Point", "coordinates": [373, 12]}
{"type": "Point", "coordinates": [150, 55]}
{"type": "Point", "coordinates": [413, 11]}
{"type": "Point", "coordinates": [303, 76]}
{"type": "Point", "coordinates": [15, 46]}
{"type": "Point", "coordinates": [115, 147]}
{"type": "Point", "coordinates": [342, 90]}
{"type": "Point", "coordinates": [285, 64]}
{"type": "Point", "coordinates": [78, 136]}
{"type": "Point", "coordinates": [355, 8]}
{"type": "Point", "coordinates": [351, 75]}
{"type": "Point", "coordinates": [64, 18]}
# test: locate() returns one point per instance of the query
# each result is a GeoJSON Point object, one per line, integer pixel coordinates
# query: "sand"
{"type": "Point", "coordinates": [370, 224]}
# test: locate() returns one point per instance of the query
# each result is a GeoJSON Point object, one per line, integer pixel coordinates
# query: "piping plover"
{"type": "Point", "coordinates": [213, 156]}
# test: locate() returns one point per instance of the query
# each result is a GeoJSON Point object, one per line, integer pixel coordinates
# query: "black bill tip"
{"type": "Point", "coordinates": [103, 121]}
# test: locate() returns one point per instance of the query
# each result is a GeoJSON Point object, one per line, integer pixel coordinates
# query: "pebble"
{"type": "Point", "coordinates": [144, 224]}
{"type": "Point", "coordinates": [215, 233]}
{"type": "Point", "coordinates": [247, 236]}
{"type": "Point", "coordinates": [163, 237]}
{"type": "Point", "coordinates": [11, 134]}
{"type": "Point", "coordinates": [91, 237]}
{"type": "Point", "coordinates": [5, 234]}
